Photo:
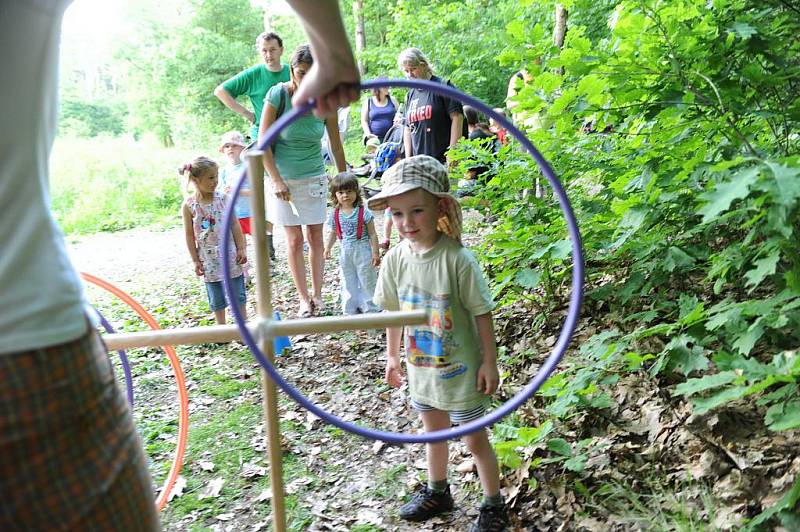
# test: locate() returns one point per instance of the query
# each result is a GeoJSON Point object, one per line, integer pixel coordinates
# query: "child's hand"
{"type": "Point", "coordinates": [376, 259]}
{"type": "Point", "coordinates": [488, 378]}
{"type": "Point", "coordinates": [328, 254]}
{"type": "Point", "coordinates": [198, 268]}
{"type": "Point", "coordinates": [241, 256]}
{"type": "Point", "coordinates": [394, 372]}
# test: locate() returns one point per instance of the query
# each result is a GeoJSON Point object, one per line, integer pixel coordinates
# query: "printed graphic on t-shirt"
{"type": "Point", "coordinates": [431, 345]}
{"type": "Point", "coordinates": [417, 113]}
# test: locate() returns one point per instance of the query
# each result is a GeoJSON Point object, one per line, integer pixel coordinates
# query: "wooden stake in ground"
{"type": "Point", "coordinates": [264, 309]}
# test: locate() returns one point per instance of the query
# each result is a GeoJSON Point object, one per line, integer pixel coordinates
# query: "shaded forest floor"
{"type": "Point", "coordinates": [644, 462]}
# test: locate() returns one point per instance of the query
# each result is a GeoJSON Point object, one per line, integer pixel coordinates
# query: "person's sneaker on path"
{"type": "Point", "coordinates": [426, 503]}
{"type": "Point", "coordinates": [491, 519]}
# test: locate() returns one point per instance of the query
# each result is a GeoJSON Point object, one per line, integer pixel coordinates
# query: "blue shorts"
{"type": "Point", "coordinates": [216, 293]}
{"type": "Point", "coordinates": [458, 417]}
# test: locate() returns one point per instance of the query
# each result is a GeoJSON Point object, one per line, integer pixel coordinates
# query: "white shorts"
{"type": "Point", "coordinates": [309, 195]}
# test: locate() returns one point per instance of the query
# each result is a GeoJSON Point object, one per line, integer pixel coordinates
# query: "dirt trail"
{"type": "Point", "coordinates": [356, 482]}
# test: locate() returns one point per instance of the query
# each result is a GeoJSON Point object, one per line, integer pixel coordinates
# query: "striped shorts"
{"type": "Point", "coordinates": [458, 417]}
{"type": "Point", "coordinates": [70, 457]}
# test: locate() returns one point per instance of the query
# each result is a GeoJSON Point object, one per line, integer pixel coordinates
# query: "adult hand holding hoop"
{"type": "Point", "coordinates": [333, 78]}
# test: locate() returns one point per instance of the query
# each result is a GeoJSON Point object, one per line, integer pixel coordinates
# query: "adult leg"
{"type": "Point", "coordinates": [316, 258]}
{"type": "Point", "coordinates": [297, 265]}
{"type": "Point", "coordinates": [219, 316]}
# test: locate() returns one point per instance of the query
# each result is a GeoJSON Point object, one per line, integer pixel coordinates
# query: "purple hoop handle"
{"type": "Point", "coordinates": [123, 358]}
{"type": "Point", "coordinates": [560, 346]}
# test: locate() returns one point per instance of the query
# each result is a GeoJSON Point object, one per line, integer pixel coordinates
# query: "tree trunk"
{"type": "Point", "coordinates": [560, 29]}
{"type": "Point", "coordinates": [358, 12]}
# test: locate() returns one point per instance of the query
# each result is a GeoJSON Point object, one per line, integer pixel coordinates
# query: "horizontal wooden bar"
{"type": "Point", "coordinates": [272, 328]}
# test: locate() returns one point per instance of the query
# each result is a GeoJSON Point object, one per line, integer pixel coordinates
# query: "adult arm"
{"type": "Point", "coordinates": [333, 78]}
{"type": "Point", "coordinates": [230, 102]}
{"type": "Point", "coordinates": [279, 186]}
{"type": "Point", "coordinates": [365, 117]}
{"type": "Point", "coordinates": [407, 144]}
{"type": "Point", "coordinates": [456, 125]}
{"type": "Point", "coordinates": [335, 141]}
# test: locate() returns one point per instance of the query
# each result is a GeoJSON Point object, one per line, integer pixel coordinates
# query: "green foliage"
{"type": "Point", "coordinates": [673, 130]}
{"type": "Point", "coordinates": [90, 119]}
{"type": "Point", "coordinates": [113, 184]}
{"type": "Point", "coordinates": [174, 65]}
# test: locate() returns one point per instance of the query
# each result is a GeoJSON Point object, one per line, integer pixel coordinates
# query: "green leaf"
{"type": "Point", "coordinates": [763, 268]}
{"type": "Point", "coordinates": [577, 463]}
{"type": "Point", "coordinates": [677, 259]}
{"type": "Point", "coordinates": [704, 404]}
{"type": "Point", "coordinates": [743, 30]}
{"type": "Point", "coordinates": [560, 446]}
{"type": "Point", "coordinates": [720, 199]}
{"type": "Point", "coordinates": [531, 435]}
{"type": "Point", "coordinates": [788, 180]}
{"type": "Point", "coordinates": [528, 278]}
{"type": "Point", "coordinates": [745, 342]}
{"type": "Point", "coordinates": [692, 386]}
{"type": "Point", "coordinates": [784, 417]}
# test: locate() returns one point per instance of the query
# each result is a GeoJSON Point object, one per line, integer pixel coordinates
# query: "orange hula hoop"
{"type": "Point", "coordinates": [183, 420]}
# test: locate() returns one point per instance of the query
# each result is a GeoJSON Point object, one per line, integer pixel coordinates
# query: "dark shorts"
{"type": "Point", "coordinates": [70, 457]}
{"type": "Point", "coordinates": [216, 293]}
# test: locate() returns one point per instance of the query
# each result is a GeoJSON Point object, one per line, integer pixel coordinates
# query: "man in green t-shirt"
{"type": "Point", "coordinates": [254, 83]}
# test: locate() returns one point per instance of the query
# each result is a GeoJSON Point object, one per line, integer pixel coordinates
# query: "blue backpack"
{"type": "Point", "coordinates": [387, 155]}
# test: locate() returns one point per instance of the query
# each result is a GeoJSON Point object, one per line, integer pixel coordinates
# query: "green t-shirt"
{"type": "Point", "coordinates": [298, 149]}
{"type": "Point", "coordinates": [254, 83]}
{"type": "Point", "coordinates": [443, 356]}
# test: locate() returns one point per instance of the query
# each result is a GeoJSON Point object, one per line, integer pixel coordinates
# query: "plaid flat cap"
{"type": "Point", "coordinates": [419, 171]}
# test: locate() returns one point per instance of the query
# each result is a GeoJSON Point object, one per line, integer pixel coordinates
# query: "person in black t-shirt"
{"type": "Point", "coordinates": [433, 123]}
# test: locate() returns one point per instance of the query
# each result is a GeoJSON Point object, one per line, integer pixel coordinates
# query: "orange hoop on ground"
{"type": "Point", "coordinates": [183, 420]}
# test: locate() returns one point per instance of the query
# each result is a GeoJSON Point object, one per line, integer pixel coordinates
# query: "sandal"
{"type": "Point", "coordinates": [317, 307]}
{"type": "Point", "coordinates": [306, 310]}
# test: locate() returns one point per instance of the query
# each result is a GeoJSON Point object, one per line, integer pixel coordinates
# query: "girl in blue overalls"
{"type": "Point", "coordinates": [352, 224]}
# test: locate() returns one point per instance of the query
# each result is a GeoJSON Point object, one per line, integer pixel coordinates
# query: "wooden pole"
{"type": "Point", "coordinates": [264, 308]}
{"type": "Point", "coordinates": [226, 333]}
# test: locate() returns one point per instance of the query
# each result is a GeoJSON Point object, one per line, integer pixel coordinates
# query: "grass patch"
{"type": "Point", "coordinates": [108, 184]}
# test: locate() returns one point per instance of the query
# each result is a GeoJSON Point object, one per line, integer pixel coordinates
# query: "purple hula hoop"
{"type": "Point", "coordinates": [126, 367]}
{"type": "Point", "coordinates": [559, 348]}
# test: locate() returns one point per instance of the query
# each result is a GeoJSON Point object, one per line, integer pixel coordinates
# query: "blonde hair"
{"type": "Point", "coordinates": [414, 57]}
{"type": "Point", "coordinates": [195, 168]}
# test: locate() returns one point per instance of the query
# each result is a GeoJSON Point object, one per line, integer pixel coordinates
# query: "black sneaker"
{"type": "Point", "coordinates": [492, 519]}
{"type": "Point", "coordinates": [425, 504]}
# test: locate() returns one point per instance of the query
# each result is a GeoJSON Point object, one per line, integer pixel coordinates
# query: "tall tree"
{"type": "Point", "coordinates": [361, 42]}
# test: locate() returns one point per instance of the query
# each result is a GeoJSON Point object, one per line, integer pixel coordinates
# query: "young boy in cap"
{"type": "Point", "coordinates": [452, 360]}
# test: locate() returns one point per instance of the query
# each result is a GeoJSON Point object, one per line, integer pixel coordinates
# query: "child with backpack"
{"type": "Point", "coordinates": [352, 224]}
